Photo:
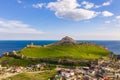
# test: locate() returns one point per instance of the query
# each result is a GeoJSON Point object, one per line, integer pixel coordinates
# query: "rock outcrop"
{"type": "Point", "coordinates": [66, 40]}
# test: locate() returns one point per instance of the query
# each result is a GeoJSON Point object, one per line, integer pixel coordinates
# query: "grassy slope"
{"type": "Point", "coordinates": [33, 76]}
{"type": "Point", "coordinates": [84, 51]}
{"type": "Point", "coordinates": [81, 52]}
{"type": "Point", "coordinates": [10, 61]}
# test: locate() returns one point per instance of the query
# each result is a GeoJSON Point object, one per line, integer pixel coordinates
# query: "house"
{"type": "Point", "coordinates": [58, 77]}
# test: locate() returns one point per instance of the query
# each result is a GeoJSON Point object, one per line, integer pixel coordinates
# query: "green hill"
{"type": "Point", "coordinates": [83, 51]}
{"type": "Point", "coordinates": [66, 48]}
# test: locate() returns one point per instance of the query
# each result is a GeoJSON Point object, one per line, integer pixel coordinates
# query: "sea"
{"type": "Point", "coordinates": [8, 46]}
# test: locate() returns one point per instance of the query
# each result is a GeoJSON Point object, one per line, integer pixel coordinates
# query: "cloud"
{"type": "Point", "coordinates": [76, 14]}
{"type": "Point", "coordinates": [104, 4]}
{"type": "Point", "coordinates": [107, 3]}
{"type": "Point", "coordinates": [87, 5]}
{"type": "Point", "coordinates": [13, 26]}
{"type": "Point", "coordinates": [107, 14]}
{"type": "Point", "coordinates": [72, 10]}
{"type": "Point", "coordinates": [118, 17]}
{"type": "Point", "coordinates": [68, 9]}
{"type": "Point", "coordinates": [19, 1]}
{"type": "Point", "coordinates": [115, 21]}
{"type": "Point", "coordinates": [38, 5]}
{"type": "Point", "coordinates": [97, 6]}
{"type": "Point", "coordinates": [63, 5]}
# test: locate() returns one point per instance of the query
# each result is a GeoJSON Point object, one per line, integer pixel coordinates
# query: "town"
{"type": "Point", "coordinates": [105, 70]}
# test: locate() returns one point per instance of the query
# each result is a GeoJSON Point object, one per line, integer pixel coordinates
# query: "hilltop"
{"type": "Point", "coordinates": [66, 41]}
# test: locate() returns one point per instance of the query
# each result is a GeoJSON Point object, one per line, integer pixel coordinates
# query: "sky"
{"type": "Point", "coordinates": [54, 19]}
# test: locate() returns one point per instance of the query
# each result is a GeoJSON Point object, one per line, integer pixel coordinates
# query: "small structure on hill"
{"type": "Point", "coordinates": [31, 45]}
{"type": "Point", "coordinates": [14, 53]}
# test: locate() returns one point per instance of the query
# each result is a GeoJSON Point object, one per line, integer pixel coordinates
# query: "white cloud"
{"type": "Point", "coordinates": [72, 10]}
{"type": "Point", "coordinates": [115, 20]}
{"type": "Point", "coordinates": [107, 3]}
{"type": "Point", "coordinates": [117, 17]}
{"type": "Point", "coordinates": [68, 9]}
{"type": "Point", "coordinates": [104, 4]}
{"type": "Point", "coordinates": [114, 24]}
{"type": "Point", "coordinates": [63, 5]}
{"type": "Point", "coordinates": [19, 1]}
{"type": "Point", "coordinates": [38, 5]}
{"type": "Point", "coordinates": [107, 13]}
{"type": "Point", "coordinates": [87, 5]}
{"type": "Point", "coordinates": [97, 6]}
{"type": "Point", "coordinates": [13, 26]}
{"type": "Point", "coordinates": [76, 14]}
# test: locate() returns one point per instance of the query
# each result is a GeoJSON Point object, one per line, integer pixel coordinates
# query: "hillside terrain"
{"type": "Point", "coordinates": [66, 48]}
{"type": "Point", "coordinates": [65, 51]}
{"type": "Point", "coordinates": [33, 76]}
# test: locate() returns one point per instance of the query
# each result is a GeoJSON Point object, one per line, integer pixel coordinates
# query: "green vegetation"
{"type": "Point", "coordinates": [84, 51]}
{"type": "Point", "coordinates": [52, 53]}
{"type": "Point", "coordinates": [33, 76]}
{"type": "Point", "coordinates": [68, 53]}
{"type": "Point", "coordinates": [10, 61]}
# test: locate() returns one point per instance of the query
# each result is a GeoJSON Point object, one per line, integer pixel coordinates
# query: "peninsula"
{"type": "Point", "coordinates": [67, 50]}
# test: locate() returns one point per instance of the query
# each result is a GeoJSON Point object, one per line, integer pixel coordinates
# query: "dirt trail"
{"type": "Point", "coordinates": [8, 75]}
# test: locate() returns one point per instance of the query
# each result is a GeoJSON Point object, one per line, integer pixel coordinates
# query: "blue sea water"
{"type": "Point", "coordinates": [8, 46]}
